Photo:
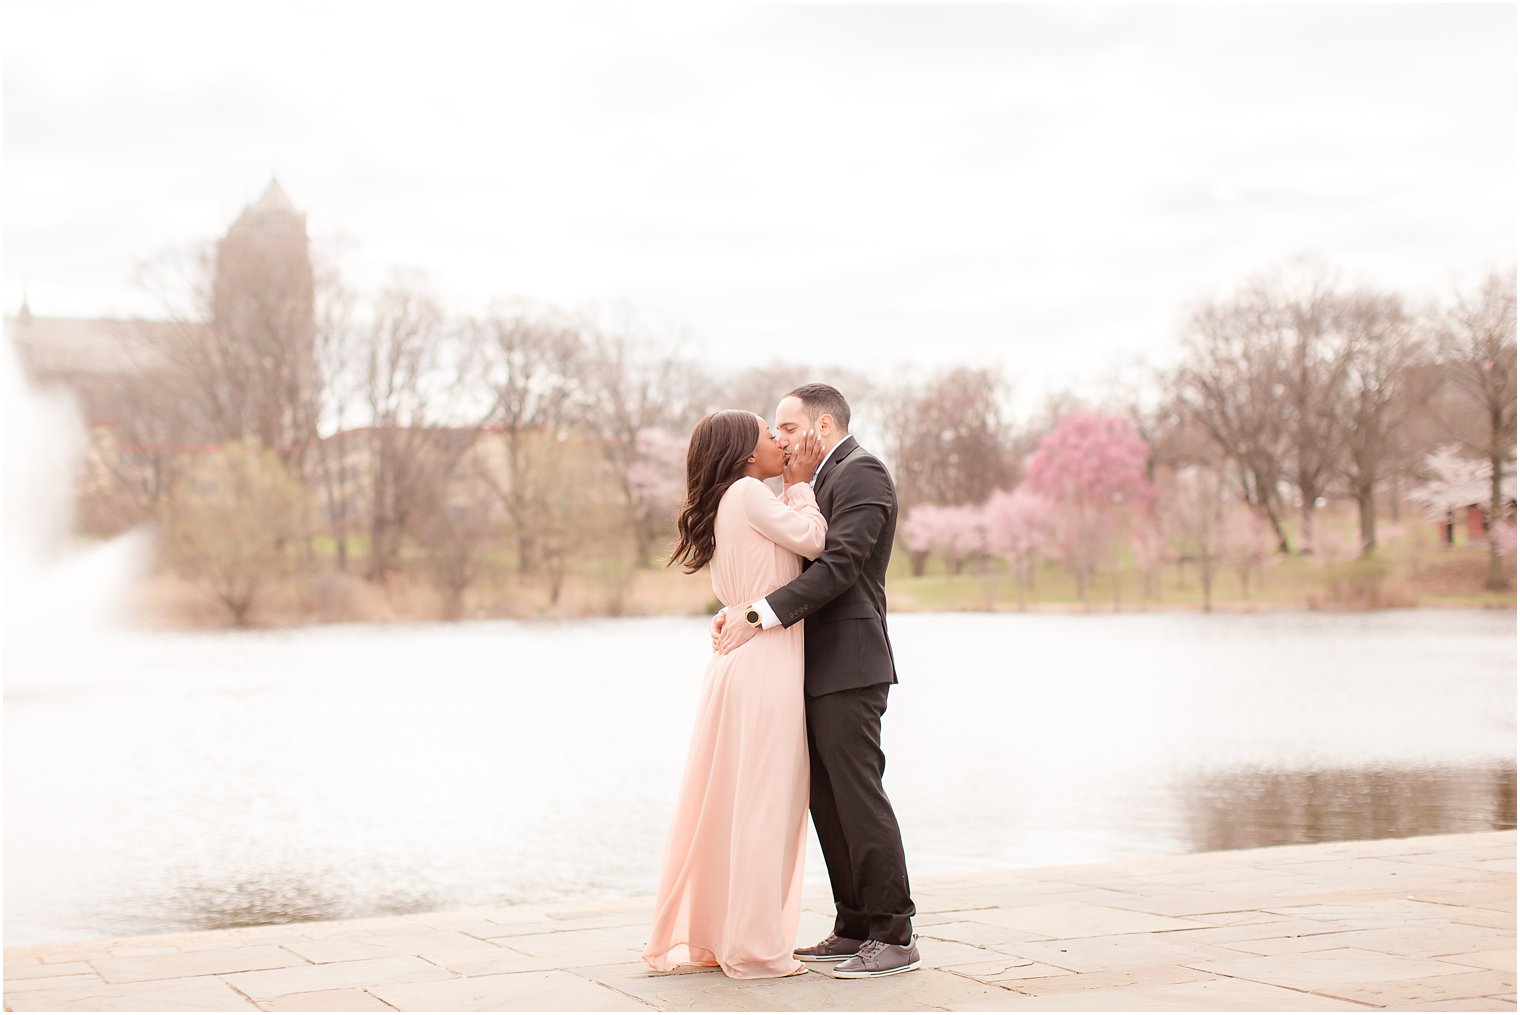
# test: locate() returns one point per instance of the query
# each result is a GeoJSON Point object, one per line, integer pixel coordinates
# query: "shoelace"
{"type": "Point", "coordinates": [871, 949]}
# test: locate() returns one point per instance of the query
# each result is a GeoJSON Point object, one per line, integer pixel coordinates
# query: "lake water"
{"type": "Point", "coordinates": [165, 781]}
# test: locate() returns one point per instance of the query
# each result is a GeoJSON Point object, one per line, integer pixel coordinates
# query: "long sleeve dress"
{"type": "Point", "coordinates": [731, 882]}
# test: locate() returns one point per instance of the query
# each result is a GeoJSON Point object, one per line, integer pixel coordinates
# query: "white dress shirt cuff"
{"type": "Point", "coordinates": [768, 618]}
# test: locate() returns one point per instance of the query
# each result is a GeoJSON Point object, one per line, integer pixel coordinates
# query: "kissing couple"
{"type": "Point", "coordinates": [788, 720]}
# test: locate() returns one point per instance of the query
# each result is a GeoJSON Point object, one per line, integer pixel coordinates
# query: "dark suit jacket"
{"type": "Point", "coordinates": [843, 594]}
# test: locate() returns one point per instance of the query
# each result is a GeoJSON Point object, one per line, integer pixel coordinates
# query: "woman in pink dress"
{"type": "Point", "coordinates": [731, 883]}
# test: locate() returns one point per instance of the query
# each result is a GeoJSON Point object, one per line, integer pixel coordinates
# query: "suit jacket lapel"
{"type": "Point", "coordinates": [840, 454]}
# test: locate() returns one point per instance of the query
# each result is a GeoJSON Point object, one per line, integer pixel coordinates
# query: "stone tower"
{"type": "Point", "coordinates": [263, 312]}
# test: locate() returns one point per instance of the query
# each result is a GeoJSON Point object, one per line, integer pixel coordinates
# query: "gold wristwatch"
{"type": "Point", "coordinates": [752, 617]}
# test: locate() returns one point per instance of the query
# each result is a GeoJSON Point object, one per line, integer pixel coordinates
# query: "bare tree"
{"type": "Point", "coordinates": [949, 439]}
{"type": "Point", "coordinates": [1230, 387]}
{"type": "Point", "coordinates": [152, 436]}
{"type": "Point", "coordinates": [239, 342]}
{"type": "Point", "coordinates": [760, 388]}
{"type": "Point", "coordinates": [1380, 349]}
{"type": "Point", "coordinates": [1477, 338]}
{"type": "Point", "coordinates": [416, 373]}
{"type": "Point", "coordinates": [236, 348]}
{"type": "Point", "coordinates": [453, 531]}
{"type": "Point", "coordinates": [1304, 329]}
{"type": "Point", "coordinates": [341, 392]}
{"type": "Point", "coordinates": [636, 381]}
{"type": "Point", "coordinates": [532, 361]}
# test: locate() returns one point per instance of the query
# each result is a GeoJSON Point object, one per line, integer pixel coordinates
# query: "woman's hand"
{"type": "Point", "coordinates": [735, 633]}
{"type": "Point", "coordinates": [803, 456]}
{"type": "Point", "coordinates": [716, 627]}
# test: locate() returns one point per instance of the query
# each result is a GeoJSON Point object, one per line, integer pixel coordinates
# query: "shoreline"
{"type": "Point", "coordinates": [142, 622]}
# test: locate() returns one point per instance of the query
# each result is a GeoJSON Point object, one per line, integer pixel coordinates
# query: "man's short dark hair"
{"type": "Point", "coordinates": [824, 399]}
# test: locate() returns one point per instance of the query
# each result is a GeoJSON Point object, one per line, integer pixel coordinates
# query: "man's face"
{"type": "Point", "coordinates": [791, 420]}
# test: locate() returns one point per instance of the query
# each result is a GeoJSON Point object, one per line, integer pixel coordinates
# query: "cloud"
{"type": "Point", "coordinates": [1055, 182]}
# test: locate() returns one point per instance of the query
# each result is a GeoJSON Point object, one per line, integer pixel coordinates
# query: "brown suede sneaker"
{"type": "Point", "coordinates": [877, 958]}
{"type": "Point", "coordinates": [831, 949]}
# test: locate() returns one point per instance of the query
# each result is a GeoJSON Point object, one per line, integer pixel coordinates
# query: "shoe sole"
{"type": "Point", "coordinates": [880, 972]}
{"type": "Point", "coordinates": [822, 958]}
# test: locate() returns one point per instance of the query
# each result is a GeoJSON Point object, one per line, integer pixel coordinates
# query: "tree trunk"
{"type": "Point", "coordinates": [1498, 576]}
{"type": "Point", "coordinates": [377, 550]}
{"type": "Point", "coordinates": [1277, 529]}
{"type": "Point", "coordinates": [526, 558]}
{"type": "Point", "coordinates": [643, 541]}
{"type": "Point", "coordinates": [1306, 534]}
{"type": "Point", "coordinates": [1366, 503]}
{"type": "Point", "coordinates": [239, 607]}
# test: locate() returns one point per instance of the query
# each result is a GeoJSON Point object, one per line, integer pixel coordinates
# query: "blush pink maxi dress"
{"type": "Point", "coordinates": [731, 882]}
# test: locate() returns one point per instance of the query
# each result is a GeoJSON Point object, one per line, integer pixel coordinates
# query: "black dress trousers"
{"type": "Point", "coordinates": [862, 844]}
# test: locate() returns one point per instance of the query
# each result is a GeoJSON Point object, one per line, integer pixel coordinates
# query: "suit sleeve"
{"type": "Point", "coordinates": [862, 504]}
{"type": "Point", "coordinates": [793, 521]}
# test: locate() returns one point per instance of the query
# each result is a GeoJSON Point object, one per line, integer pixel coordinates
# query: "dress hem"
{"type": "Point", "coordinates": [660, 964]}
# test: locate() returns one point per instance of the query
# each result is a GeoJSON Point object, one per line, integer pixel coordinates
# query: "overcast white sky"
{"type": "Point", "coordinates": [1041, 186]}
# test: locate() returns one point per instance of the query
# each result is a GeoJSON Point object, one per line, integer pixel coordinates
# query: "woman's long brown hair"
{"type": "Point", "coordinates": [715, 459]}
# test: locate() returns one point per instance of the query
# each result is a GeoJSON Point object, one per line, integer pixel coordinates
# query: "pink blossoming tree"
{"type": "Point", "coordinates": [1092, 468]}
{"type": "Point", "coordinates": [1019, 525]}
{"type": "Point", "coordinates": [956, 534]}
{"type": "Point", "coordinates": [657, 476]}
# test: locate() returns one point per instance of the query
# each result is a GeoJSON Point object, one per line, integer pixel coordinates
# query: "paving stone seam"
{"type": "Point", "coordinates": [1019, 964]}
{"type": "Point", "coordinates": [377, 997]}
{"type": "Point", "coordinates": [222, 979]}
{"type": "Point", "coordinates": [1394, 1005]}
{"type": "Point", "coordinates": [975, 979]}
{"type": "Point", "coordinates": [1284, 986]}
{"type": "Point", "coordinates": [616, 990]}
{"type": "Point", "coordinates": [1454, 957]}
{"type": "Point", "coordinates": [1437, 902]}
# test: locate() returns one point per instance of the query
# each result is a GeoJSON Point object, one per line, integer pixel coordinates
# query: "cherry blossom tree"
{"type": "Point", "coordinates": [658, 475]}
{"type": "Point", "coordinates": [1092, 468]}
{"type": "Point", "coordinates": [1147, 541]}
{"type": "Point", "coordinates": [1246, 543]}
{"type": "Point", "coordinates": [917, 530]}
{"type": "Point", "coordinates": [966, 538]}
{"type": "Point", "coordinates": [1454, 482]}
{"type": "Point", "coordinates": [1019, 527]}
{"type": "Point", "coordinates": [1193, 517]}
{"type": "Point", "coordinates": [956, 533]}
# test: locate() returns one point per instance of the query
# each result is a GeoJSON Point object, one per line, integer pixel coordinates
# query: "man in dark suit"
{"type": "Point", "coordinates": [849, 670]}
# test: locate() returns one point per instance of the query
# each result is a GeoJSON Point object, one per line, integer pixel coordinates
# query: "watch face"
{"type": "Point", "coordinates": [752, 617]}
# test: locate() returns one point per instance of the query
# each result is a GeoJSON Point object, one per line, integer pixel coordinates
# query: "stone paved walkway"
{"type": "Point", "coordinates": [1407, 924]}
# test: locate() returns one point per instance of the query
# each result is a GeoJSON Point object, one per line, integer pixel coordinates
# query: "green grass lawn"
{"type": "Point", "coordinates": [1410, 567]}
